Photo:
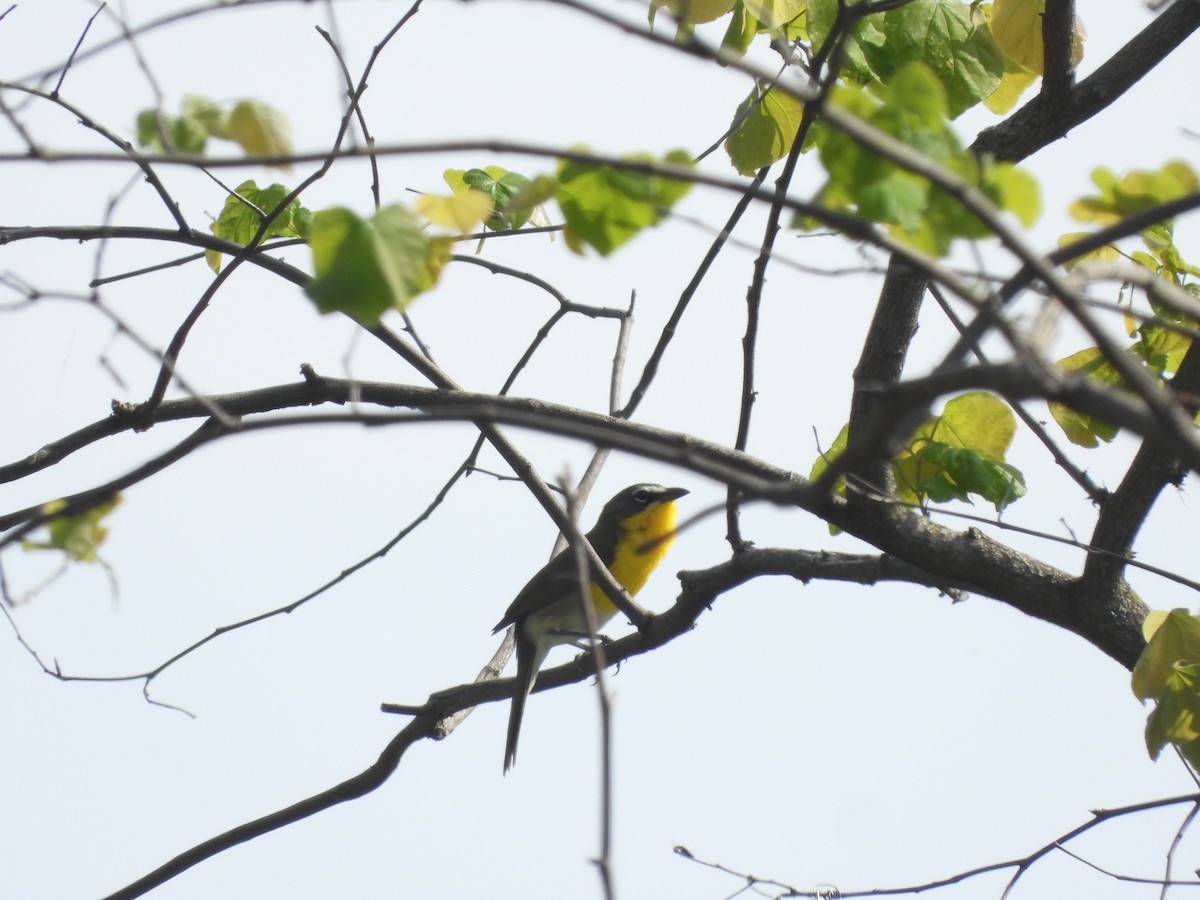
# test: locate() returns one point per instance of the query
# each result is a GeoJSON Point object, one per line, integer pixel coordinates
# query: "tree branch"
{"type": "Point", "coordinates": [699, 590]}
{"type": "Point", "coordinates": [1052, 114]}
{"type": "Point", "coordinates": [967, 559]}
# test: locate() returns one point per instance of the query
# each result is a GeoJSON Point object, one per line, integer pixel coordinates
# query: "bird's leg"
{"type": "Point", "coordinates": [578, 642]}
{"type": "Point", "coordinates": [577, 638]}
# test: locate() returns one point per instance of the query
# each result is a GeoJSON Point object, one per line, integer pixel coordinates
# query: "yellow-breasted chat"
{"type": "Point", "coordinates": [631, 536]}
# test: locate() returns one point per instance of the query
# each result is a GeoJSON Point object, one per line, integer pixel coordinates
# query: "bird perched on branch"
{"type": "Point", "coordinates": [631, 536]}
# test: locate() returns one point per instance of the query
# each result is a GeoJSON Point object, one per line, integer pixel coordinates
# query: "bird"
{"type": "Point", "coordinates": [631, 536]}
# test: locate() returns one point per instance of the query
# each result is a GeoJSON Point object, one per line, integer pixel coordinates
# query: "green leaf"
{"type": "Point", "coordinates": [605, 207]}
{"type": "Point", "coordinates": [1175, 719]}
{"type": "Point", "coordinates": [241, 217]}
{"type": "Point", "coordinates": [1168, 672]}
{"type": "Point", "coordinates": [302, 219]}
{"type": "Point", "coordinates": [954, 473]}
{"type": "Point", "coordinates": [822, 463]}
{"type": "Point", "coordinates": [364, 268]}
{"type": "Point", "coordinates": [941, 34]}
{"type": "Point", "coordinates": [1013, 190]}
{"type": "Point", "coordinates": [1081, 428]}
{"type": "Point", "coordinates": [913, 111]}
{"type": "Point", "coordinates": [953, 456]}
{"type": "Point", "coordinates": [500, 186]}
{"type": "Point", "coordinates": [1161, 348]}
{"type": "Point", "coordinates": [767, 122]}
{"type": "Point", "coordinates": [186, 135]}
{"type": "Point", "coordinates": [979, 421]}
{"type": "Point", "coordinates": [861, 44]}
{"type": "Point", "coordinates": [835, 450]}
{"type": "Point", "coordinates": [79, 535]}
{"type": "Point", "coordinates": [528, 203]}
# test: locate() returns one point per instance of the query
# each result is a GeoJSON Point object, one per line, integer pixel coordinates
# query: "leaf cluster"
{"type": "Point", "coordinates": [1169, 674]}
{"type": "Point", "coordinates": [246, 209]}
{"type": "Point", "coordinates": [364, 267]}
{"type": "Point", "coordinates": [913, 109]}
{"type": "Point", "coordinates": [259, 129]}
{"type": "Point", "coordinates": [1161, 338]}
{"type": "Point", "coordinates": [955, 455]}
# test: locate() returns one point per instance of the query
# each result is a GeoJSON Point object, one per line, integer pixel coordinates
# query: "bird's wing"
{"type": "Point", "coordinates": [556, 579]}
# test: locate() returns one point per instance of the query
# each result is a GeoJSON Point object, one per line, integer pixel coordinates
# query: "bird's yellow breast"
{"type": "Point", "coordinates": [643, 542]}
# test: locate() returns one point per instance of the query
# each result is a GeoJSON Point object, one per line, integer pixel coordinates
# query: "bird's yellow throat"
{"type": "Point", "coordinates": [643, 542]}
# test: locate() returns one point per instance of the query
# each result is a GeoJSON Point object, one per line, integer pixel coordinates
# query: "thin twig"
{"type": "Point", "coordinates": [584, 580]}
{"type": "Point", "coordinates": [79, 43]}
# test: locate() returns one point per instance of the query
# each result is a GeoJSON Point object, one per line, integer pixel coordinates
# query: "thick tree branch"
{"type": "Point", "coordinates": [1112, 621]}
{"type": "Point", "coordinates": [1052, 114]}
{"type": "Point", "coordinates": [1152, 469]}
{"type": "Point", "coordinates": [1058, 42]}
{"type": "Point", "coordinates": [957, 559]}
{"type": "Point", "coordinates": [884, 352]}
{"type": "Point", "coordinates": [714, 460]}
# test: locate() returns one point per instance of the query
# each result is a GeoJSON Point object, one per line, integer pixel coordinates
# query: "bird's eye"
{"type": "Point", "coordinates": [641, 497]}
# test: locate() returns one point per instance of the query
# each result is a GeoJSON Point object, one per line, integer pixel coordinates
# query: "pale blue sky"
{"type": "Point", "coordinates": [860, 737]}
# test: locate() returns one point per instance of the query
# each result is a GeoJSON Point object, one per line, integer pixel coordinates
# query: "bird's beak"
{"type": "Point", "coordinates": [673, 493]}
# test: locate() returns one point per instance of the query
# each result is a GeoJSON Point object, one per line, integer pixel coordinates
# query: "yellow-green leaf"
{"type": "Point", "coordinates": [1137, 190]}
{"type": "Point", "coordinates": [1017, 28]}
{"type": "Point", "coordinates": [1175, 639]}
{"type": "Point", "coordinates": [1151, 623]}
{"type": "Point", "coordinates": [1161, 348]}
{"type": "Point", "coordinates": [1175, 718]}
{"type": "Point", "coordinates": [740, 32]}
{"type": "Point", "coordinates": [961, 453]}
{"type": "Point", "coordinates": [1168, 672]}
{"type": "Point", "coordinates": [501, 187]}
{"type": "Point", "coordinates": [1080, 428]}
{"type": "Point", "coordinates": [459, 212]}
{"type": "Point", "coordinates": [692, 12]}
{"type": "Point", "coordinates": [78, 535]}
{"type": "Point", "coordinates": [775, 13]}
{"type": "Point", "coordinates": [1105, 253]}
{"type": "Point", "coordinates": [768, 122]}
{"type": "Point", "coordinates": [978, 421]}
{"type": "Point", "coordinates": [1013, 83]}
{"type": "Point", "coordinates": [260, 130]}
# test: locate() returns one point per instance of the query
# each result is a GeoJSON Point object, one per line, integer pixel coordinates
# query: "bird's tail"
{"type": "Point", "coordinates": [527, 666]}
